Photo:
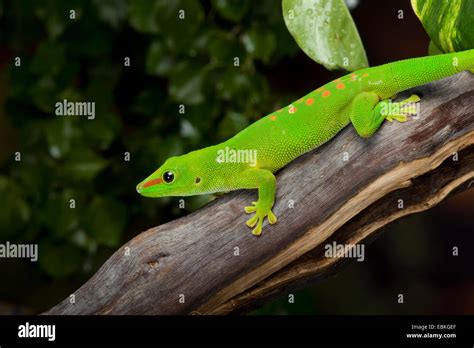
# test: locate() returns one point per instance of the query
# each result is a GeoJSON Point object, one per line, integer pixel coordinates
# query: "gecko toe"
{"type": "Point", "coordinates": [272, 219]}
{"type": "Point", "coordinates": [250, 209]}
{"type": "Point", "coordinates": [257, 231]}
{"type": "Point", "coordinates": [252, 221]}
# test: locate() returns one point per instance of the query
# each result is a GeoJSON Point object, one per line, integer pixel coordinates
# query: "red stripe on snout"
{"type": "Point", "coordinates": [152, 182]}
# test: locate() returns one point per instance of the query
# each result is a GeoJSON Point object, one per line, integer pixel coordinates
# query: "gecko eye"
{"type": "Point", "coordinates": [168, 176]}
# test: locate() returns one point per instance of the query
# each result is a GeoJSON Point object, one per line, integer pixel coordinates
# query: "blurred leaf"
{"type": "Point", "coordinates": [223, 48]}
{"type": "Point", "coordinates": [194, 113]}
{"type": "Point", "coordinates": [286, 45]}
{"type": "Point", "coordinates": [14, 212]}
{"type": "Point", "coordinates": [34, 175]}
{"type": "Point", "coordinates": [231, 124]}
{"type": "Point", "coordinates": [61, 132]}
{"type": "Point", "coordinates": [105, 220]}
{"type": "Point", "coordinates": [58, 216]}
{"type": "Point", "coordinates": [156, 150]}
{"type": "Point", "coordinates": [142, 16]}
{"type": "Point", "coordinates": [96, 46]}
{"type": "Point", "coordinates": [71, 94]}
{"type": "Point", "coordinates": [187, 83]}
{"type": "Point", "coordinates": [49, 58]}
{"type": "Point", "coordinates": [433, 49]}
{"type": "Point", "coordinates": [59, 260]}
{"type": "Point", "coordinates": [83, 164]}
{"type": "Point", "coordinates": [45, 94]}
{"type": "Point", "coordinates": [179, 21]}
{"type": "Point", "coordinates": [149, 102]}
{"type": "Point", "coordinates": [102, 130]}
{"type": "Point", "coordinates": [113, 12]}
{"type": "Point", "coordinates": [20, 82]}
{"type": "Point", "coordinates": [158, 60]}
{"type": "Point", "coordinates": [325, 31]}
{"type": "Point", "coordinates": [450, 24]}
{"type": "Point", "coordinates": [187, 130]}
{"type": "Point", "coordinates": [233, 84]}
{"type": "Point", "coordinates": [242, 89]}
{"type": "Point", "coordinates": [233, 10]}
{"type": "Point", "coordinates": [104, 78]}
{"type": "Point", "coordinates": [260, 43]}
{"type": "Point", "coordinates": [56, 14]}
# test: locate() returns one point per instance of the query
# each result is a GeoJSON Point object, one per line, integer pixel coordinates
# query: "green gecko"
{"type": "Point", "coordinates": [249, 159]}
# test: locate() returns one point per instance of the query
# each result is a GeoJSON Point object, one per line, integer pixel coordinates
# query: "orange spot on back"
{"type": "Point", "coordinates": [152, 182]}
{"type": "Point", "coordinates": [365, 75]}
{"type": "Point", "coordinates": [353, 77]}
{"type": "Point", "coordinates": [273, 117]}
{"type": "Point", "coordinates": [326, 94]}
{"type": "Point", "coordinates": [309, 101]}
{"type": "Point", "coordinates": [292, 109]}
{"type": "Point", "coordinates": [340, 86]}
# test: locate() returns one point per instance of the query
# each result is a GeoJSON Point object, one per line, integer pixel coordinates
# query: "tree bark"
{"type": "Point", "coordinates": [345, 191]}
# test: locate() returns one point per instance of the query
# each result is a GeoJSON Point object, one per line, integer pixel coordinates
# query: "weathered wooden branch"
{"type": "Point", "coordinates": [189, 265]}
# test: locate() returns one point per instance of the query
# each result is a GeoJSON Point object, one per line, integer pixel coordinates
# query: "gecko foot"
{"type": "Point", "coordinates": [257, 220]}
{"type": "Point", "coordinates": [407, 107]}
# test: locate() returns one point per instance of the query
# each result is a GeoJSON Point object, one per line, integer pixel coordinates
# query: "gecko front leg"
{"type": "Point", "coordinates": [265, 182]}
{"type": "Point", "coordinates": [368, 112]}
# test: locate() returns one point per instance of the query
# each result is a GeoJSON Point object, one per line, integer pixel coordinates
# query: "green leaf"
{"type": "Point", "coordinates": [187, 83]}
{"type": "Point", "coordinates": [45, 94]}
{"type": "Point", "coordinates": [148, 102]}
{"type": "Point", "coordinates": [14, 212]}
{"type": "Point", "coordinates": [105, 220]}
{"type": "Point", "coordinates": [187, 130]}
{"type": "Point", "coordinates": [325, 31]}
{"type": "Point", "coordinates": [83, 164]}
{"type": "Point", "coordinates": [34, 176]}
{"type": "Point", "coordinates": [102, 130]}
{"type": "Point", "coordinates": [61, 132]}
{"type": "Point", "coordinates": [232, 10]}
{"type": "Point", "coordinates": [223, 48]}
{"type": "Point", "coordinates": [433, 50]}
{"type": "Point", "coordinates": [449, 24]}
{"type": "Point", "coordinates": [231, 124]}
{"type": "Point", "coordinates": [177, 20]}
{"type": "Point", "coordinates": [59, 260]}
{"type": "Point", "coordinates": [112, 12]}
{"type": "Point", "coordinates": [58, 216]}
{"type": "Point", "coordinates": [260, 43]}
{"type": "Point", "coordinates": [56, 14]}
{"type": "Point", "coordinates": [96, 46]}
{"type": "Point", "coordinates": [242, 89]}
{"type": "Point", "coordinates": [49, 58]}
{"type": "Point", "coordinates": [158, 60]}
{"type": "Point", "coordinates": [142, 16]}
{"type": "Point", "coordinates": [194, 114]}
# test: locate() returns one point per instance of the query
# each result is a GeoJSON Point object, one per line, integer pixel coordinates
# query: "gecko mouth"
{"type": "Point", "coordinates": [147, 184]}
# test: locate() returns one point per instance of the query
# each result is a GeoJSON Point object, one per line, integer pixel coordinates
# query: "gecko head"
{"type": "Point", "coordinates": [173, 178]}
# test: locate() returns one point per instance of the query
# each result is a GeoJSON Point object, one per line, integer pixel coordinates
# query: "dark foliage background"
{"type": "Point", "coordinates": [173, 63]}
